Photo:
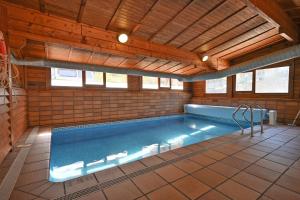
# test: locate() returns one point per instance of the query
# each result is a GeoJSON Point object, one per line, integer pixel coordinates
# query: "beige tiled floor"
{"type": "Point", "coordinates": [264, 167]}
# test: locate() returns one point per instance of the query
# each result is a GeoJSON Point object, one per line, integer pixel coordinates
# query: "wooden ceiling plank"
{"type": "Point", "coordinates": [172, 19]}
{"type": "Point", "coordinates": [253, 47]}
{"type": "Point", "coordinates": [247, 42]}
{"type": "Point", "coordinates": [167, 66]}
{"type": "Point", "coordinates": [202, 40]}
{"type": "Point", "coordinates": [156, 65]}
{"type": "Point", "coordinates": [81, 10]}
{"type": "Point", "coordinates": [273, 13]}
{"type": "Point", "coordinates": [192, 40]}
{"type": "Point", "coordinates": [249, 34]}
{"type": "Point", "coordinates": [197, 21]}
{"type": "Point", "coordinates": [136, 28]}
{"type": "Point", "coordinates": [114, 16]}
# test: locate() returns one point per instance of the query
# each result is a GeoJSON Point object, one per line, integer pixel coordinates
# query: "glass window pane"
{"type": "Point", "coordinates": [116, 80]}
{"type": "Point", "coordinates": [165, 82]}
{"type": "Point", "coordinates": [93, 78]}
{"type": "Point", "coordinates": [216, 86]}
{"type": "Point", "coordinates": [273, 80]}
{"type": "Point", "coordinates": [244, 81]}
{"type": "Point", "coordinates": [150, 82]}
{"type": "Point", "coordinates": [66, 77]}
{"type": "Point", "coordinates": [176, 84]}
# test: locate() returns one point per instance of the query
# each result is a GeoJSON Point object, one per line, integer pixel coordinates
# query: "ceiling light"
{"type": "Point", "coordinates": [123, 38]}
{"type": "Point", "coordinates": [205, 58]}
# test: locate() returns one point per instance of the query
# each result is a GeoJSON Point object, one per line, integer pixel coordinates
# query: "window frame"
{"type": "Point", "coordinates": [94, 86]}
{"type": "Point", "coordinates": [116, 88]}
{"type": "Point", "coordinates": [165, 88]}
{"type": "Point", "coordinates": [176, 89]}
{"type": "Point", "coordinates": [49, 84]}
{"type": "Point", "coordinates": [253, 94]}
{"type": "Point", "coordinates": [217, 94]}
{"type": "Point", "coordinates": [158, 82]}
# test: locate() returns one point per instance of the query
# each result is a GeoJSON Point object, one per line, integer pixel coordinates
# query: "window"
{"type": "Point", "coordinates": [216, 86]}
{"type": "Point", "coordinates": [66, 77]}
{"type": "Point", "coordinates": [272, 80]}
{"type": "Point", "coordinates": [164, 82]}
{"type": "Point", "coordinates": [243, 82]}
{"type": "Point", "coordinates": [93, 78]}
{"type": "Point", "coordinates": [116, 80]}
{"type": "Point", "coordinates": [176, 84]}
{"type": "Point", "coordinates": [150, 82]}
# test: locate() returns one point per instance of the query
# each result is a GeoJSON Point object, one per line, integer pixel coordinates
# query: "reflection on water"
{"type": "Point", "coordinates": [93, 155]}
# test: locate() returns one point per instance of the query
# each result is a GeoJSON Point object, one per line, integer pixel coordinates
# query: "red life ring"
{"type": "Point", "coordinates": [3, 47]}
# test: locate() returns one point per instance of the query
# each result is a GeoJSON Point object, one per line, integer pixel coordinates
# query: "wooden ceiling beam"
{"type": "Point", "coordinates": [273, 13]}
{"type": "Point", "coordinates": [37, 26]}
{"type": "Point", "coordinates": [81, 10]}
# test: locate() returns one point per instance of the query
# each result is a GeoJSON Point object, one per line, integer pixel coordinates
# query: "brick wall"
{"type": "Point", "coordinates": [60, 106]}
{"type": "Point", "coordinates": [286, 105]}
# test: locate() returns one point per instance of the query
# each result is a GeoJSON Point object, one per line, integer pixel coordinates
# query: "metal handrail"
{"type": "Point", "coordinates": [247, 107]}
{"type": "Point", "coordinates": [243, 114]}
{"type": "Point", "coordinates": [235, 120]}
{"type": "Point", "coordinates": [261, 118]}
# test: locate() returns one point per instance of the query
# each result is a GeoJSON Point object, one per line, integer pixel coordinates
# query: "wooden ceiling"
{"type": "Point", "coordinates": [166, 35]}
{"type": "Point", "coordinates": [292, 8]}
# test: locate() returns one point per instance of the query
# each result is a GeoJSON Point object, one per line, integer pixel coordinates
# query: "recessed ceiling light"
{"type": "Point", "coordinates": [205, 58]}
{"type": "Point", "coordinates": [123, 38]}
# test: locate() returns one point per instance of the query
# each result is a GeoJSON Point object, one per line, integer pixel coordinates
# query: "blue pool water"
{"type": "Point", "coordinates": [77, 151]}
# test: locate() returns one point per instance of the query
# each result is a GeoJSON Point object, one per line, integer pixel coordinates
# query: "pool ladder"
{"type": "Point", "coordinates": [249, 107]}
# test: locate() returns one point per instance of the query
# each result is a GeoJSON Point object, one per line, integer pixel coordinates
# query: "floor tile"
{"type": "Point", "coordinates": [213, 195]}
{"type": "Point", "coordinates": [37, 187]}
{"type": "Point", "coordinates": [125, 191]}
{"type": "Point", "coordinates": [44, 164]}
{"type": "Point", "coordinates": [284, 154]}
{"type": "Point", "coordinates": [132, 167]}
{"type": "Point", "coordinates": [209, 177]}
{"type": "Point", "coordinates": [279, 159]}
{"type": "Point", "coordinates": [108, 174]}
{"type": "Point", "coordinates": [279, 193]}
{"type": "Point", "coordinates": [237, 191]}
{"type": "Point", "coordinates": [181, 151]}
{"type": "Point", "coordinates": [80, 183]}
{"type": "Point", "coordinates": [262, 172]}
{"type": "Point", "coordinates": [246, 157]}
{"type": "Point", "coordinates": [169, 155]}
{"type": "Point", "coordinates": [188, 166]}
{"type": "Point", "coordinates": [289, 182]}
{"type": "Point", "coordinates": [191, 187]}
{"type": "Point", "coordinates": [214, 154]}
{"type": "Point", "coordinates": [263, 148]}
{"type": "Point", "coordinates": [255, 152]}
{"type": "Point", "coordinates": [54, 191]}
{"type": "Point", "coordinates": [152, 160]}
{"type": "Point", "coordinates": [166, 192]}
{"type": "Point", "coordinates": [170, 173]}
{"type": "Point", "coordinates": [235, 162]}
{"type": "Point", "coordinates": [252, 181]}
{"type": "Point", "coordinates": [32, 177]}
{"type": "Point", "coordinates": [37, 157]}
{"type": "Point", "coordinates": [223, 169]}
{"type": "Point", "coordinates": [293, 172]}
{"type": "Point", "coordinates": [19, 195]}
{"type": "Point", "coordinates": [202, 160]}
{"type": "Point", "coordinates": [148, 182]}
{"type": "Point", "coordinates": [271, 165]}
{"type": "Point", "coordinates": [93, 196]}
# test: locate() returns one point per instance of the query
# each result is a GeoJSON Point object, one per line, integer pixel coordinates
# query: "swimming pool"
{"type": "Point", "coordinates": [82, 150]}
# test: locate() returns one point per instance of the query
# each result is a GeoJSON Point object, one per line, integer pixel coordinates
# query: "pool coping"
{"type": "Point", "coordinates": [45, 142]}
